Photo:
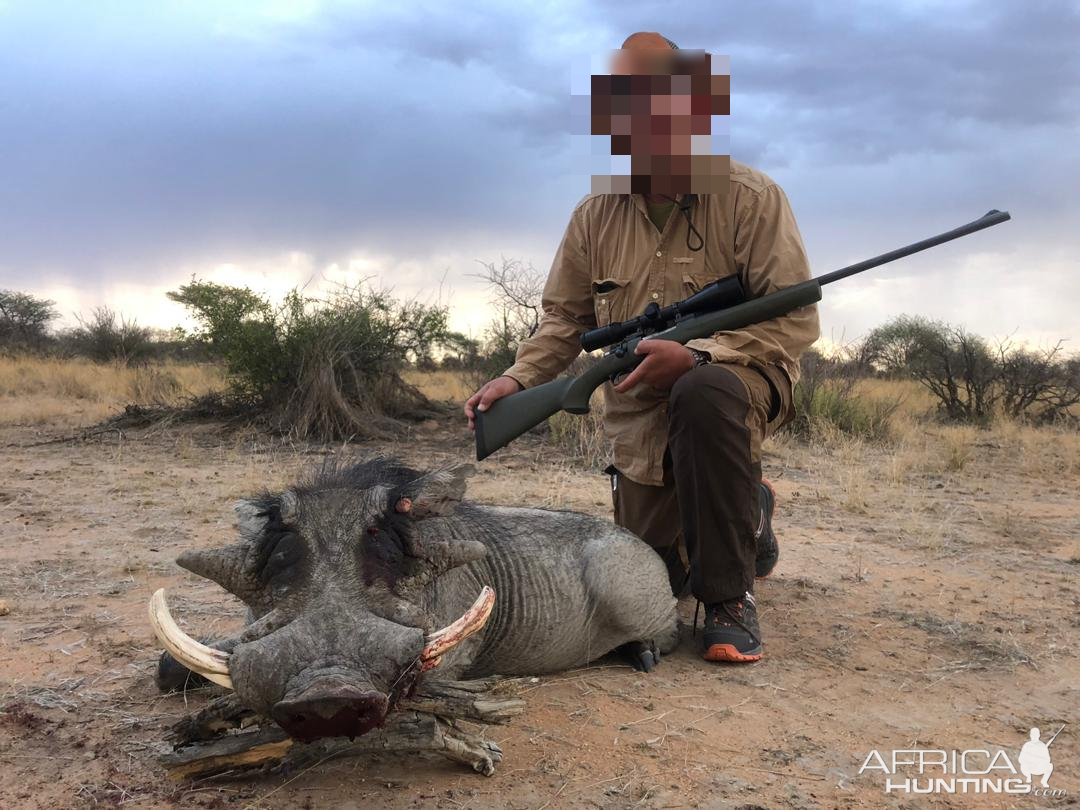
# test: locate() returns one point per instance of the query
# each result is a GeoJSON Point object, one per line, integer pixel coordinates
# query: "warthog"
{"type": "Point", "coordinates": [349, 577]}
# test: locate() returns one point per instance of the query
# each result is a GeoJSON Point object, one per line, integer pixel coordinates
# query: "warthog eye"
{"type": "Point", "coordinates": [373, 530]}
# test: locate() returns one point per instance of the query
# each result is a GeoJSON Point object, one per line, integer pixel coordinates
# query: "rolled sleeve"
{"type": "Point", "coordinates": [567, 312]}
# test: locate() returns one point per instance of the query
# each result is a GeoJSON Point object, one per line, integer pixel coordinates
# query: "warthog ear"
{"type": "Point", "coordinates": [252, 514]}
{"type": "Point", "coordinates": [438, 492]}
{"type": "Point", "coordinates": [234, 567]}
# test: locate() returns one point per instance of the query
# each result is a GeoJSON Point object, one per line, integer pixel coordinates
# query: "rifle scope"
{"type": "Point", "coordinates": [719, 294]}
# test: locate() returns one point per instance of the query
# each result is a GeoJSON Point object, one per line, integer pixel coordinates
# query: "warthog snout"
{"type": "Point", "coordinates": [331, 708]}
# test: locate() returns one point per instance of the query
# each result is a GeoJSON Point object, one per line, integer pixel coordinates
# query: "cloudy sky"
{"type": "Point", "coordinates": [285, 143]}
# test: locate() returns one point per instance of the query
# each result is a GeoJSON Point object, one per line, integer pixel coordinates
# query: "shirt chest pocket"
{"type": "Point", "coordinates": [610, 297]}
{"type": "Point", "coordinates": [693, 282]}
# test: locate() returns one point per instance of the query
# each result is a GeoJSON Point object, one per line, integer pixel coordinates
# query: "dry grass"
{"type": "Point", "coordinates": [35, 391]}
{"type": "Point", "coordinates": [583, 436]}
{"type": "Point", "coordinates": [1048, 453]}
{"type": "Point", "coordinates": [914, 399]}
{"type": "Point", "coordinates": [1044, 452]}
{"type": "Point", "coordinates": [441, 386]}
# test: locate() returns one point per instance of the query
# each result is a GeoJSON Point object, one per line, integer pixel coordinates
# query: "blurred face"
{"type": "Point", "coordinates": [652, 106]}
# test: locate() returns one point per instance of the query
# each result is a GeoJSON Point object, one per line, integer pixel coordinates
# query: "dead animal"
{"type": "Point", "coordinates": [369, 581]}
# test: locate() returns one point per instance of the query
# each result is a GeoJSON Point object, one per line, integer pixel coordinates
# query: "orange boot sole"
{"type": "Point", "coordinates": [728, 652]}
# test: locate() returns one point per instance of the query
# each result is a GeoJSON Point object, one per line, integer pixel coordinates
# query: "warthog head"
{"type": "Point", "coordinates": [333, 571]}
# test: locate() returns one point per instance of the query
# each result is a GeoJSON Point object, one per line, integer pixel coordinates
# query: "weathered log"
{"type": "Point", "coordinates": [222, 715]}
{"type": "Point", "coordinates": [225, 738]}
{"type": "Point", "coordinates": [478, 700]}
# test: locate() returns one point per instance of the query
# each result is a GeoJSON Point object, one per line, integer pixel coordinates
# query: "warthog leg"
{"type": "Point", "coordinates": [641, 655]}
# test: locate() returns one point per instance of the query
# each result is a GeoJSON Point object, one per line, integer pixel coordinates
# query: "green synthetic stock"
{"type": "Point", "coordinates": [509, 417]}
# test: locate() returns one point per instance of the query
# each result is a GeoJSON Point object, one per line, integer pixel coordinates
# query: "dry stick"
{"type": "Point", "coordinates": [647, 719]}
{"type": "Point", "coordinates": [570, 680]}
{"type": "Point", "coordinates": [554, 797]}
{"type": "Point", "coordinates": [605, 781]}
{"type": "Point", "coordinates": [786, 774]}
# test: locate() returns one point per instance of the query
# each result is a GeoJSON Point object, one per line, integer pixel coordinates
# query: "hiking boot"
{"type": "Point", "coordinates": [768, 550]}
{"type": "Point", "coordinates": [731, 630]}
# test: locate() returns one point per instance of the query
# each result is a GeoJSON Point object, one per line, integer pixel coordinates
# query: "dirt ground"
{"type": "Point", "coordinates": [927, 597]}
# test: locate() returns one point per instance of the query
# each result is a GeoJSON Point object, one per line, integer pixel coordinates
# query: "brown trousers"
{"type": "Point", "coordinates": [718, 417]}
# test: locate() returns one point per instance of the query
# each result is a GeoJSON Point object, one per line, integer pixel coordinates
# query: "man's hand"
{"type": "Point", "coordinates": [665, 361]}
{"type": "Point", "coordinates": [489, 392]}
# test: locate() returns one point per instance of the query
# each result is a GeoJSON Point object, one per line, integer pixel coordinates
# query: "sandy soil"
{"type": "Point", "coordinates": [914, 607]}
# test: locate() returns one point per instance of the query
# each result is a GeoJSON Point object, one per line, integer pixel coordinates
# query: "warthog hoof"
{"type": "Point", "coordinates": [172, 676]}
{"type": "Point", "coordinates": [643, 656]}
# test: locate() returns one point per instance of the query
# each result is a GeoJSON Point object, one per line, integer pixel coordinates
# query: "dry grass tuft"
{"type": "Point", "coordinates": [1048, 453]}
{"type": "Point", "coordinates": [957, 447]}
{"type": "Point", "coordinates": [583, 436]}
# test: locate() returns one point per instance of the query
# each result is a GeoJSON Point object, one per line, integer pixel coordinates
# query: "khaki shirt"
{"type": "Point", "coordinates": [613, 262]}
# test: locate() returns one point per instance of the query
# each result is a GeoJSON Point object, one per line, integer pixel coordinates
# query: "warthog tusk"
{"type": "Point", "coordinates": [438, 642]}
{"type": "Point", "coordinates": [206, 661]}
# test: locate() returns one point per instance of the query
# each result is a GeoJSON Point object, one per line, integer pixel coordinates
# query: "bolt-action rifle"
{"type": "Point", "coordinates": [717, 307]}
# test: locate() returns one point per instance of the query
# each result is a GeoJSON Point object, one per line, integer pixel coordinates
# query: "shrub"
{"type": "Point", "coordinates": [321, 368]}
{"type": "Point", "coordinates": [839, 408]}
{"type": "Point", "coordinates": [826, 399]}
{"type": "Point", "coordinates": [108, 337]}
{"type": "Point", "coordinates": [24, 321]}
{"type": "Point", "coordinates": [1038, 384]}
{"type": "Point", "coordinates": [956, 366]}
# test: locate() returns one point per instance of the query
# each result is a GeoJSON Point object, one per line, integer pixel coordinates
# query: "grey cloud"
{"type": "Point", "coordinates": [858, 82]}
{"type": "Point", "coordinates": [410, 130]}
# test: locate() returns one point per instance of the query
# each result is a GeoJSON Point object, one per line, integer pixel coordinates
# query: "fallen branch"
{"type": "Point", "coordinates": [226, 738]}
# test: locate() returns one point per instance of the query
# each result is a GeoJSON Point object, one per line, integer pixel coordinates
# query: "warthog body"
{"type": "Point", "coordinates": [347, 576]}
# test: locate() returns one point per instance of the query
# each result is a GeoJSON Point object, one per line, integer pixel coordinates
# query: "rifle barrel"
{"type": "Point", "coordinates": [994, 217]}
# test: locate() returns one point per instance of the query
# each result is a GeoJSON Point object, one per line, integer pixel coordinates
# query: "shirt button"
{"type": "Point", "coordinates": [659, 253]}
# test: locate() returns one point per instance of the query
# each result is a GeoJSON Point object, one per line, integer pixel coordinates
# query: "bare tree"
{"type": "Point", "coordinates": [1038, 383]}
{"type": "Point", "coordinates": [109, 336]}
{"type": "Point", "coordinates": [516, 289]}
